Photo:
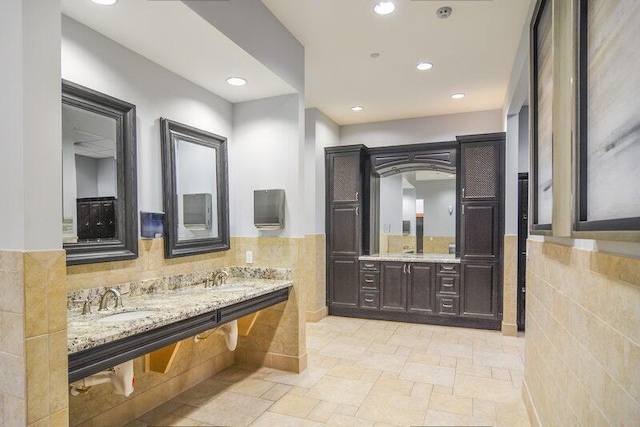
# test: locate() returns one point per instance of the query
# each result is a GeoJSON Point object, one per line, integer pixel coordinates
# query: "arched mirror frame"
{"type": "Point", "coordinates": [124, 114]}
{"type": "Point", "coordinates": [387, 161]}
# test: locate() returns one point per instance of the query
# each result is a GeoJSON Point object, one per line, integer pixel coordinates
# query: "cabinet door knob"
{"type": "Point", "coordinates": [357, 210]}
{"type": "Point", "coordinates": [357, 194]}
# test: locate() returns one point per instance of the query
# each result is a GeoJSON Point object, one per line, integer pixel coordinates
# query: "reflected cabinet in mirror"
{"type": "Point", "coordinates": [99, 203]}
{"type": "Point", "coordinates": [418, 212]}
{"type": "Point", "coordinates": [195, 182]}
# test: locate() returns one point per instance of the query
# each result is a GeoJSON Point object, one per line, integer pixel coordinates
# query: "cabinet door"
{"type": "Point", "coordinates": [344, 238]}
{"type": "Point", "coordinates": [346, 182]}
{"type": "Point", "coordinates": [421, 281]}
{"type": "Point", "coordinates": [95, 220]}
{"type": "Point", "coordinates": [479, 227]}
{"type": "Point", "coordinates": [393, 287]}
{"type": "Point", "coordinates": [479, 297]}
{"type": "Point", "coordinates": [109, 220]}
{"type": "Point", "coordinates": [480, 171]}
{"type": "Point", "coordinates": [343, 290]}
{"type": "Point", "coordinates": [84, 229]}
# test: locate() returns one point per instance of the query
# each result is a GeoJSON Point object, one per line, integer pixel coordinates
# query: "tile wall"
{"type": "Point", "coordinates": [510, 286]}
{"type": "Point", "coordinates": [582, 348]}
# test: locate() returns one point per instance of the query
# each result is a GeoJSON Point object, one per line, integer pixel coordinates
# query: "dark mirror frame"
{"type": "Point", "coordinates": [170, 131]}
{"type": "Point", "coordinates": [535, 226]}
{"type": "Point", "coordinates": [124, 114]}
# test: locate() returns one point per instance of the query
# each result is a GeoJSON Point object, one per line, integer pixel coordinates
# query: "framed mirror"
{"type": "Point", "coordinates": [195, 182]}
{"type": "Point", "coordinates": [99, 214]}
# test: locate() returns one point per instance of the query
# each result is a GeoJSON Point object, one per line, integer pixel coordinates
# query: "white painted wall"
{"type": "Point", "coordinates": [251, 25]}
{"type": "Point", "coordinates": [265, 154]}
{"type": "Point", "coordinates": [511, 175]}
{"type": "Point", "coordinates": [409, 197]}
{"type": "Point", "coordinates": [99, 63]}
{"type": "Point", "coordinates": [391, 206]}
{"type": "Point", "coordinates": [106, 177]}
{"type": "Point", "coordinates": [438, 195]}
{"type": "Point", "coordinates": [321, 132]}
{"type": "Point", "coordinates": [30, 149]}
{"type": "Point", "coordinates": [421, 130]}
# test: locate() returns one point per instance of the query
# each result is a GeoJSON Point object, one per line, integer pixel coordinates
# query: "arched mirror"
{"type": "Point", "coordinates": [99, 215]}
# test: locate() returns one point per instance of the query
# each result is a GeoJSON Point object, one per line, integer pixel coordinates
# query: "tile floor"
{"type": "Point", "coordinates": [367, 373]}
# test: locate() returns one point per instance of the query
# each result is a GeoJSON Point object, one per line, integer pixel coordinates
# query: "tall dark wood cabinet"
{"type": "Point", "coordinates": [481, 225]}
{"type": "Point", "coordinates": [346, 222]}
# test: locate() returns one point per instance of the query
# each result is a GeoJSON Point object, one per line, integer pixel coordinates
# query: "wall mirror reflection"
{"type": "Point", "coordinates": [99, 181]}
{"type": "Point", "coordinates": [195, 181]}
{"type": "Point", "coordinates": [418, 212]}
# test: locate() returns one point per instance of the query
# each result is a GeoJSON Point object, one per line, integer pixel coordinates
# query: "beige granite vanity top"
{"type": "Point", "coordinates": [442, 258]}
{"type": "Point", "coordinates": [169, 306]}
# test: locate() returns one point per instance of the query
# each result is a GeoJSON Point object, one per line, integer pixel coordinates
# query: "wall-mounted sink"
{"type": "Point", "coordinates": [126, 316]}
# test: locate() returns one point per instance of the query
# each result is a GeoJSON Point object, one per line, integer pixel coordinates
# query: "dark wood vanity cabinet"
{"type": "Point", "coordinates": [481, 225]}
{"type": "Point", "coordinates": [407, 287]}
{"type": "Point", "coordinates": [346, 222]}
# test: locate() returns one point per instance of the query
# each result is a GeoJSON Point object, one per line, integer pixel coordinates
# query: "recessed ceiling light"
{"type": "Point", "coordinates": [384, 7]}
{"type": "Point", "coordinates": [424, 66]}
{"type": "Point", "coordinates": [457, 95]}
{"type": "Point", "coordinates": [357, 108]}
{"type": "Point", "coordinates": [375, 55]}
{"type": "Point", "coordinates": [236, 81]}
{"type": "Point", "coordinates": [105, 2]}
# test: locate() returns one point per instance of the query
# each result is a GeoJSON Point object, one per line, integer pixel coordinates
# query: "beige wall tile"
{"type": "Point", "coordinates": [15, 411]}
{"type": "Point", "coordinates": [12, 379]}
{"type": "Point", "coordinates": [12, 333]}
{"type": "Point", "coordinates": [12, 291]}
{"type": "Point", "coordinates": [581, 310]}
{"type": "Point", "coordinates": [38, 392]}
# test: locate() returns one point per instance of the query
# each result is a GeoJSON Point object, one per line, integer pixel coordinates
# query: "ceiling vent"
{"type": "Point", "coordinates": [444, 12]}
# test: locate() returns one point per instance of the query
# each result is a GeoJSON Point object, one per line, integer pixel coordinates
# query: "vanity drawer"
{"type": "Point", "coordinates": [449, 306]}
{"type": "Point", "coordinates": [369, 280]}
{"type": "Point", "coordinates": [448, 268]}
{"type": "Point", "coordinates": [369, 266]}
{"type": "Point", "coordinates": [449, 284]}
{"type": "Point", "coordinates": [370, 300]}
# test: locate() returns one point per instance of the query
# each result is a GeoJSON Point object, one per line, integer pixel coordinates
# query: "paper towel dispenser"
{"type": "Point", "coordinates": [268, 209]}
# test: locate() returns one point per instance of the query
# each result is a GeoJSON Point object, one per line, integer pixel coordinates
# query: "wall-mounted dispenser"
{"type": "Point", "coordinates": [268, 209]}
{"type": "Point", "coordinates": [197, 211]}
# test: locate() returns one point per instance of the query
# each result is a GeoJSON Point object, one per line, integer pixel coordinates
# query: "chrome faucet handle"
{"type": "Point", "coordinates": [222, 277]}
{"type": "Point", "coordinates": [86, 305]}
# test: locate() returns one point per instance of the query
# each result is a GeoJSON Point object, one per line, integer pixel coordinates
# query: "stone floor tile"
{"type": "Point", "coordinates": [348, 410]}
{"type": "Point", "coordinates": [497, 360]}
{"type": "Point", "coordinates": [451, 403]}
{"type": "Point", "coordinates": [383, 362]}
{"type": "Point", "coordinates": [448, 361]}
{"type": "Point", "coordinates": [305, 379]}
{"type": "Point", "coordinates": [392, 408]}
{"type": "Point", "coordinates": [322, 412]}
{"type": "Point", "coordinates": [474, 371]}
{"type": "Point", "coordinates": [346, 421]}
{"type": "Point", "coordinates": [340, 390]}
{"type": "Point", "coordinates": [353, 372]}
{"type": "Point", "coordinates": [251, 387]}
{"type": "Point", "coordinates": [295, 406]}
{"type": "Point", "coordinates": [160, 411]}
{"type": "Point", "coordinates": [403, 351]}
{"type": "Point", "coordinates": [500, 374]}
{"type": "Point", "coordinates": [271, 419]}
{"type": "Point", "coordinates": [422, 390]}
{"type": "Point", "coordinates": [393, 386]}
{"type": "Point", "coordinates": [441, 418]}
{"type": "Point", "coordinates": [276, 392]}
{"type": "Point", "coordinates": [425, 359]}
{"type": "Point", "coordinates": [428, 374]}
{"type": "Point", "coordinates": [485, 388]}
{"type": "Point", "coordinates": [228, 409]}
{"type": "Point", "coordinates": [484, 409]}
{"type": "Point", "coordinates": [343, 351]}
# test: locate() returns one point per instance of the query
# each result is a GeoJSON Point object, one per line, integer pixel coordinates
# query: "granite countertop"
{"type": "Point", "coordinates": [442, 258]}
{"type": "Point", "coordinates": [169, 306]}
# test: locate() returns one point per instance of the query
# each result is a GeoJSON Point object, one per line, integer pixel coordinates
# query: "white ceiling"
{"type": "Point", "coordinates": [175, 37]}
{"type": "Point", "coordinates": [473, 52]}
{"type": "Point", "coordinates": [94, 135]}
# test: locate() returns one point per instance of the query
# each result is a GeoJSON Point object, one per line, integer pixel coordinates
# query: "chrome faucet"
{"type": "Point", "coordinates": [105, 297]}
{"type": "Point", "coordinates": [220, 277]}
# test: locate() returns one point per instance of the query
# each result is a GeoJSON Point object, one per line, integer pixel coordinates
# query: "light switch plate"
{"type": "Point", "coordinates": [249, 257]}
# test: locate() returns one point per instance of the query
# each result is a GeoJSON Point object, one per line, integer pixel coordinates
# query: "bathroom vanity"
{"type": "Point", "coordinates": [158, 312]}
{"type": "Point", "coordinates": [395, 266]}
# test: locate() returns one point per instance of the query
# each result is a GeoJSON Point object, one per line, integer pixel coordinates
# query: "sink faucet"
{"type": "Point", "coordinates": [105, 297]}
{"type": "Point", "coordinates": [220, 277]}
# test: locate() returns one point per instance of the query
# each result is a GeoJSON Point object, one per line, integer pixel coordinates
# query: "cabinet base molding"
{"type": "Point", "coordinates": [509, 329]}
{"type": "Point", "coordinates": [269, 359]}
{"type": "Point", "coordinates": [464, 322]}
